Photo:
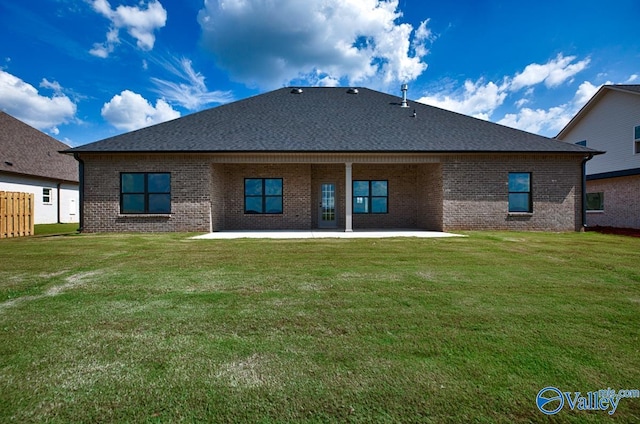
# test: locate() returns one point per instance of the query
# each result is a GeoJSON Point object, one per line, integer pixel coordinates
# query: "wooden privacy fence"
{"type": "Point", "coordinates": [16, 214]}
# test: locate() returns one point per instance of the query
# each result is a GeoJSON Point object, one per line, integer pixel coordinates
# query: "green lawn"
{"type": "Point", "coordinates": [161, 328]}
{"type": "Point", "coordinates": [55, 229]}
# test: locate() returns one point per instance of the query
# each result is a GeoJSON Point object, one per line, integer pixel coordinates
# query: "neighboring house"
{"type": "Point", "coordinates": [330, 158]}
{"type": "Point", "coordinates": [610, 122]}
{"type": "Point", "coordinates": [31, 162]}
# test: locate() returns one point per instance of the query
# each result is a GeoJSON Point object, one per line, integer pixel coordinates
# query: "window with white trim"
{"type": "Point", "coordinates": [46, 196]}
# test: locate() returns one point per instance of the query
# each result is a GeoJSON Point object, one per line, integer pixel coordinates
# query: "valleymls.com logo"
{"type": "Point", "coordinates": [551, 400]}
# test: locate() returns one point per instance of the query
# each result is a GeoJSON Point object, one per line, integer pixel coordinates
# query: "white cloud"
{"type": "Point", "coordinates": [585, 92]}
{"type": "Point", "coordinates": [631, 79]}
{"type": "Point", "coordinates": [551, 121]}
{"type": "Point", "coordinates": [130, 111]}
{"type": "Point", "coordinates": [553, 73]}
{"type": "Point", "coordinates": [103, 50]}
{"type": "Point", "coordinates": [478, 99]}
{"type": "Point", "coordinates": [139, 22]}
{"type": "Point", "coordinates": [481, 99]}
{"type": "Point", "coordinates": [538, 120]}
{"type": "Point", "coordinates": [51, 85]}
{"type": "Point", "coordinates": [191, 94]}
{"type": "Point", "coordinates": [327, 81]}
{"type": "Point", "coordinates": [423, 36]}
{"type": "Point", "coordinates": [358, 42]}
{"type": "Point", "coordinates": [23, 101]}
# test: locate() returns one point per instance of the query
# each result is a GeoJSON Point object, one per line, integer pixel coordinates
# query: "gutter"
{"type": "Point", "coordinates": [58, 200]}
{"type": "Point", "coordinates": [584, 190]}
{"type": "Point", "coordinates": [81, 189]}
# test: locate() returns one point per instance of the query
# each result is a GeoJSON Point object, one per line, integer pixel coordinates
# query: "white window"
{"type": "Point", "coordinates": [46, 196]}
{"type": "Point", "coordinates": [636, 140]}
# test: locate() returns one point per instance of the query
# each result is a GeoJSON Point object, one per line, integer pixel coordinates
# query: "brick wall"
{"type": "Point", "coordinates": [190, 193]}
{"type": "Point", "coordinates": [461, 192]}
{"type": "Point", "coordinates": [296, 185]}
{"type": "Point", "coordinates": [217, 196]}
{"type": "Point", "coordinates": [429, 197]}
{"type": "Point", "coordinates": [621, 202]}
{"type": "Point", "coordinates": [475, 192]}
{"type": "Point", "coordinates": [402, 204]}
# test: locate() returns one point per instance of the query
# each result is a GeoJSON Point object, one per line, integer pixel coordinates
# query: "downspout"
{"type": "Point", "coordinates": [81, 190]}
{"type": "Point", "coordinates": [584, 190]}
{"type": "Point", "coordinates": [58, 201]}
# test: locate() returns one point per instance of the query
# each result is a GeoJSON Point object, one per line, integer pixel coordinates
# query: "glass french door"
{"type": "Point", "coordinates": [327, 210]}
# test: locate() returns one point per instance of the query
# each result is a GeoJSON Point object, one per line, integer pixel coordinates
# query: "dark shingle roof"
{"type": "Point", "coordinates": [328, 120]}
{"type": "Point", "coordinates": [25, 150]}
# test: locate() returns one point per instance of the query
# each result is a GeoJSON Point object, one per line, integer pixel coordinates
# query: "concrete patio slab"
{"type": "Point", "coordinates": [317, 234]}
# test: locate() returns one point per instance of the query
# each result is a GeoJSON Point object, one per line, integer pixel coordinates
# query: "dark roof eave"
{"type": "Point", "coordinates": [280, 152]}
{"type": "Point", "coordinates": [40, 177]}
{"type": "Point", "coordinates": [614, 174]}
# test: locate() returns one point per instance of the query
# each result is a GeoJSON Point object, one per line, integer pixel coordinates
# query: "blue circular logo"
{"type": "Point", "coordinates": [547, 399]}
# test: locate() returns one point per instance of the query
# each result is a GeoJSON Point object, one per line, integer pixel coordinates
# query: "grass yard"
{"type": "Point", "coordinates": [55, 229]}
{"type": "Point", "coordinates": [161, 328]}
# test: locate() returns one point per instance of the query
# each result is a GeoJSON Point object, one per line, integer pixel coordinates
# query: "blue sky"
{"type": "Point", "coordinates": [85, 70]}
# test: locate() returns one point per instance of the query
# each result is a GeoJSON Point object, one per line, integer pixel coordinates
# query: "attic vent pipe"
{"type": "Point", "coordinates": [296, 91]}
{"type": "Point", "coordinates": [404, 88]}
{"type": "Point", "coordinates": [352, 91]}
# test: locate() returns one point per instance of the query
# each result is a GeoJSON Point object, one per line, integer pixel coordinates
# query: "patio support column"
{"type": "Point", "coordinates": [348, 201]}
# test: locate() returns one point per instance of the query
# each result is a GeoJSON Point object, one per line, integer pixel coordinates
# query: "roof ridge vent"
{"type": "Point", "coordinates": [352, 90]}
{"type": "Point", "coordinates": [296, 90]}
{"type": "Point", "coordinates": [404, 88]}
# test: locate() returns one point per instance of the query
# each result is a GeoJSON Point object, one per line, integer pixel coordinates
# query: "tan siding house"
{"type": "Point", "coordinates": [610, 122]}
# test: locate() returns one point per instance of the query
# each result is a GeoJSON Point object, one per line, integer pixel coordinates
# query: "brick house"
{"type": "Point", "coordinates": [611, 121]}
{"type": "Point", "coordinates": [330, 158]}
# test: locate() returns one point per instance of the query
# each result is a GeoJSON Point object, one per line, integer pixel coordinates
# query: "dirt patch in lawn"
{"type": "Point", "coordinates": [71, 282]}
